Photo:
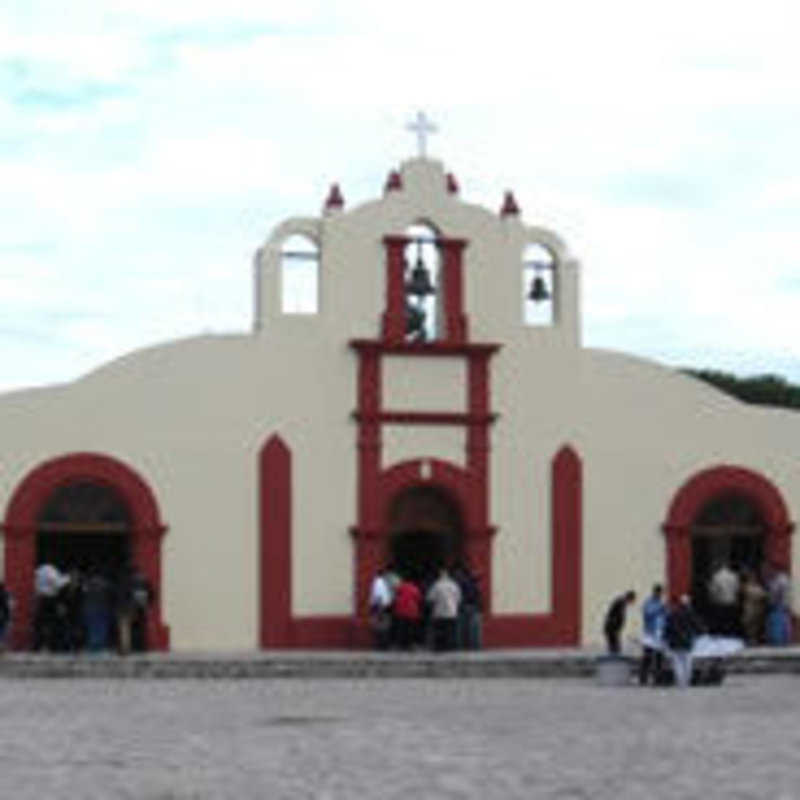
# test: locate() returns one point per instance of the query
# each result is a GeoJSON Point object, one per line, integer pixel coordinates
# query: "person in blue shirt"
{"type": "Point", "coordinates": [654, 616]}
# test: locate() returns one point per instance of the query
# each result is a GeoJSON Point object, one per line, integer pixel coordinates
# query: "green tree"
{"type": "Point", "coordinates": [762, 390]}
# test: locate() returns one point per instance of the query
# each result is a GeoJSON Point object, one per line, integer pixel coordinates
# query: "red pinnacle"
{"type": "Point", "coordinates": [510, 206]}
{"type": "Point", "coordinates": [393, 181]}
{"type": "Point", "coordinates": [335, 199]}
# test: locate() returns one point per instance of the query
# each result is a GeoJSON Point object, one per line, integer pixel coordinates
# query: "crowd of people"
{"type": "Point", "coordinates": [94, 610]}
{"type": "Point", "coordinates": [741, 606]}
{"type": "Point", "coordinates": [754, 605]}
{"type": "Point", "coordinates": [441, 612]}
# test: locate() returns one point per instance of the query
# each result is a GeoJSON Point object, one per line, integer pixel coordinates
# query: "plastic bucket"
{"type": "Point", "coordinates": [612, 671]}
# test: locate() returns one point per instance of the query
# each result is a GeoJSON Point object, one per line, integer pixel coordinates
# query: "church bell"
{"type": "Point", "coordinates": [539, 291]}
{"type": "Point", "coordinates": [420, 284]}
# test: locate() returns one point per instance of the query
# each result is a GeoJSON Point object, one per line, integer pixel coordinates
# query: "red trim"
{"type": "Point", "coordinates": [427, 418]}
{"type": "Point", "coordinates": [275, 556]}
{"type": "Point", "coordinates": [697, 492]}
{"type": "Point", "coordinates": [20, 529]}
{"type": "Point", "coordinates": [562, 626]}
{"type": "Point", "coordinates": [372, 540]}
{"type": "Point", "coordinates": [437, 348]}
{"type": "Point", "coordinates": [334, 632]}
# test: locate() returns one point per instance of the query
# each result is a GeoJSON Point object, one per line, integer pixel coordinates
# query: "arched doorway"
{"type": "Point", "coordinates": [85, 495]}
{"type": "Point", "coordinates": [736, 502]}
{"type": "Point", "coordinates": [425, 532]}
{"type": "Point", "coordinates": [84, 526]}
{"type": "Point", "coordinates": [729, 529]}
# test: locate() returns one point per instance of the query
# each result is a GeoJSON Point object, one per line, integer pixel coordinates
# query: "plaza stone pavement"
{"type": "Point", "coordinates": [411, 738]}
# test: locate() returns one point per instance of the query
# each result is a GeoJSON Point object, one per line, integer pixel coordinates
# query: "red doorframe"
{"type": "Point", "coordinates": [371, 543]}
{"type": "Point", "coordinates": [702, 488]}
{"type": "Point", "coordinates": [20, 528]}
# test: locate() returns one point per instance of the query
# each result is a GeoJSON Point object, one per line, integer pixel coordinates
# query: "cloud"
{"type": "Point", "coordinates": [147, 150]}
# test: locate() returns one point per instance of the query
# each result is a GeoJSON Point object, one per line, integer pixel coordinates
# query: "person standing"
{"type": "Point", "coordinates": [723, 590]}
{"type": "Point", "coordinates": [654, 616]}
{"type": "Point", "coordinates": [142, 593]}
{"type": "Point", "coordinates": [615, 619]}
{"type": "Point", "coordinates": [444, 597]}
{"type": "Point", "coordinates": [124, 608]}
{"type": "Point", "coordinates": [380, 610]}
{"type": "Point", "coordinates": [754, 603]}
{"type": "Point", "coordinates": [48, 582]}
{"type": "Point", "coordinates": [97, 611]}
{"type": "Point", "coordinates": [469, 612]}
{"type": "Point", "coordinates": [779, 616]}
{"type": "Point", "coordinates": [681, 629]}
{"type": "Point", "coordinates": [407, 609]}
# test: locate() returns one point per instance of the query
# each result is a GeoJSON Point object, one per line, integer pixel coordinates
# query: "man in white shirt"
{"type": "Point", "coordinates": [380, 609]}
{"type": "Point", "coordinates": [723, 590]}
{"type": "Point", "coordinates": [48, 582]}
{"type": "Point", "coordinates": [444, 597]}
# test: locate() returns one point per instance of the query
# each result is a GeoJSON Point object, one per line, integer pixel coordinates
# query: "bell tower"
{"type": "Point", "coordinates": [399, 345]}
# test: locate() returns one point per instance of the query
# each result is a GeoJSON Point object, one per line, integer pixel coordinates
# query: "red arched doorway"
{"type": "Point", "coordinates": [425, 531]}
{"type": "Point", "coordinates": [32, 522]}
{"type": "Point", "coordinates": [729, 512]}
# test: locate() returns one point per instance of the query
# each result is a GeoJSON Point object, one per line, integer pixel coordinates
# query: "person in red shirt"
{"type": "Point", "coordinates": [407, 611]}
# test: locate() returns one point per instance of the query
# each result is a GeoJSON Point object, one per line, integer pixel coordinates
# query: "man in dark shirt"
{"type": "Point", "coordinates": [615, 619]}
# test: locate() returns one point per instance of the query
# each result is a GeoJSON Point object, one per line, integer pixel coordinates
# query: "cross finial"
{"type": "Point", "coordinates": [422, 126]}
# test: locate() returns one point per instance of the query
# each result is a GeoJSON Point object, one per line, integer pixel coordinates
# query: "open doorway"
{"type": "Point", "coordinates": [425, 533]}
{"type": "Point", "coordinates": [84, 532]}
{"type": "Point", "coordinates": [728, 530]}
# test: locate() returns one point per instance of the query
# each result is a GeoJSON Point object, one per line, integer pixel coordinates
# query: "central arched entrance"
{"type": "Point", "coordinates": [425, 532]}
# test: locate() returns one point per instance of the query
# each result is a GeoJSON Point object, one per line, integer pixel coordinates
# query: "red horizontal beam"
{"type": "Point", "coordinates": [425, 418]}
{"type": "Point", "coordinates": [423, 348]}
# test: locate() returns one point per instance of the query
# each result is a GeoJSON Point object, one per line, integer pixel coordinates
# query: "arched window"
{"type": "Point", "coordinates": [422, 283]}
{"type": "Point", "coordinates": [538, 285]}
{"type": "Point", "coordinates": [299, 276]}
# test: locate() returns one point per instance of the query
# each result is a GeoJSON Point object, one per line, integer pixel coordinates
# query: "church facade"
{"type": "Point", "coordinates": [414, 390]}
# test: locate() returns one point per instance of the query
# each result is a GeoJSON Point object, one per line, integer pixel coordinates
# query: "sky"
{"type": "Point", "coordinates": [148, 148]}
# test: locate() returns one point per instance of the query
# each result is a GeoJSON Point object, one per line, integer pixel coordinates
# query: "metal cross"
{"type": "Point", "coordinates": [422, 126]}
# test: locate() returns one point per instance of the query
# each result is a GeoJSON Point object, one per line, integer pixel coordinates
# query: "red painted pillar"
{"type": "Point", "coordinates": [20, 558]}
{"type": "Point", "coordinates": [567, 535]}
{"type": "Point", "coordinates": [147, 558]}
{"type": "Point", "coordinates": [452, 279]}
{"type": "Point", "coordinates": [679, 559]}
{"type": "Point", "coordinates": [779, 547]}
{"type": "Point", "coordinates": [479, 534]}
{"type": "Point", "coordinates": [394, 317]}
{"type": "Point", "coordinates": [367, 540]}
{"type": "Point", "coordinates": [275, 556]}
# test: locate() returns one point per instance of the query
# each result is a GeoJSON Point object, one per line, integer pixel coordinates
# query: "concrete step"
{"type": "Point", "coordinates": [352, 665]}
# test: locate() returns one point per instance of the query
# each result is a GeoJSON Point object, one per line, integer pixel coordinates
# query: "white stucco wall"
{"type": "Point", "coordinates": [191, 416]}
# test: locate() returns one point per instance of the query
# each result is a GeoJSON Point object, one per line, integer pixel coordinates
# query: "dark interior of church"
{"type": "Point", "coordinates": [94, 550]}
{"type": "Point", "coordinates": [425, 533]}
{"type": "Point", "coordinates": [729, 530]}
